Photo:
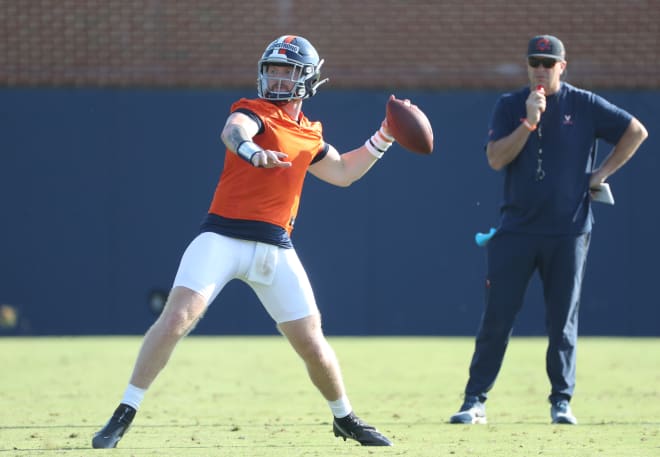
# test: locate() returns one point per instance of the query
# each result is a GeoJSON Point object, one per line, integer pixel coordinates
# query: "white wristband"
{"type": "Point", "coordinates": [387, 137]}
{"type": "Point", "coordinates": [247, 149]}
{"type": "Point", "coordinates": [378, 143]}
{"type": "Point", "coordinates": [372, 149]}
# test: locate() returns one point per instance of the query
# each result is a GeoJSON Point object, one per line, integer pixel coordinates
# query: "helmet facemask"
{"type": "Point", "coordinates": [282, 81]}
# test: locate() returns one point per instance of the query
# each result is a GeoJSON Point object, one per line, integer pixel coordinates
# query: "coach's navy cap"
{"type": "Point", "coordinates": [546, 46]}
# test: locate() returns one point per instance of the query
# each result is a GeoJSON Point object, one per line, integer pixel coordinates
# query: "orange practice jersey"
{"type": "Point", "coordinates": [268, 194]}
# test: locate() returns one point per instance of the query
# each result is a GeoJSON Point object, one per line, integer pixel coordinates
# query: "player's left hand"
{"type": "Point", "coordinates": [386, 127]}
{"type": "Point", "coordinates": [270, 159]}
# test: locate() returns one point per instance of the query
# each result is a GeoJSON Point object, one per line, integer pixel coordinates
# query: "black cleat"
{"type": "Point", "coordinates": [354, 428]}
{"type": "Point", "coordinates": [111, 433]}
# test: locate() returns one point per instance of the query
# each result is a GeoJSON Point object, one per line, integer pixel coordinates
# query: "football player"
{"type": "Point", "coordinates": [271, 146]}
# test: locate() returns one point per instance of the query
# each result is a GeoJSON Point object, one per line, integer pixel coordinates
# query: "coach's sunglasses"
{"type": "Point", "coordinates": [534, 62]}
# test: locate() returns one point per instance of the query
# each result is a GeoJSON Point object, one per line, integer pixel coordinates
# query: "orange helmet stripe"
{"type": "Point", "coordinates": [287, 39]}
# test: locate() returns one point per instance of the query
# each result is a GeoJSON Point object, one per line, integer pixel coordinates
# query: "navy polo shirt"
{"type": "Point", "coordinates": [573, 121]}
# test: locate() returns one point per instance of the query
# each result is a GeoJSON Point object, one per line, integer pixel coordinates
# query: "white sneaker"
{"type": "Point", "coordinates": [473, 411]}
{"type": "Point", "coordinates": [561, 413]}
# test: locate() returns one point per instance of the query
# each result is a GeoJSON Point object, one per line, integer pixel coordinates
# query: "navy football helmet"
{"type": "Point", "coordinates": [298, 53]}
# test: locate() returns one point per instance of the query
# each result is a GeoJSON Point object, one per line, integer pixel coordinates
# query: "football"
{"type": "Point", "coordinates": [409, 126]}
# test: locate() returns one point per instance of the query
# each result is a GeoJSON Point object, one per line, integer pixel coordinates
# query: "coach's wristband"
{"type": "Point", "coordinates": [247, 149]}
{"type": "Point", "coordinates": [527, 125]}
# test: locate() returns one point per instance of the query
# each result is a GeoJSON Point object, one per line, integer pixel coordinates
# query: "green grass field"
{"type": "Point", "coordinates": [250, 396]}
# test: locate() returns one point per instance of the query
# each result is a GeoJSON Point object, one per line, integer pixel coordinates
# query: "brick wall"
{"type": "Point", "coordinates": [366, 44]}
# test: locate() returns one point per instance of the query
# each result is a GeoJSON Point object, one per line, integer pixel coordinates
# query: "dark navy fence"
{"type": "Point", "coordinates": [101, 191]}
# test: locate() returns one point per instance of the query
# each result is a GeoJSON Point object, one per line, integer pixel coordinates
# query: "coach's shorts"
{"type": "Point", "coordinates": [275, 274]}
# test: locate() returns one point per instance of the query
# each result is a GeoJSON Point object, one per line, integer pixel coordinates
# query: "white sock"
{"type": "Point", "coordinates": [133, 396]}
{"type": "Point", "coordinates": [340, 408]}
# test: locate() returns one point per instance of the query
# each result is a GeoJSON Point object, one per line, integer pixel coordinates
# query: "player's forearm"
{"type": "Point", "coordinates": [356, 163]}
{"type": "Point", "coordinates": [343, 169]}
{"type": "Point", "coordinates": [233, 135]}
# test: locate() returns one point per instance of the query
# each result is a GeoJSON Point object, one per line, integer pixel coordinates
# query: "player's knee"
{"type": "Point", "coordinates": [316, 351]}
{"type": "Point", "coordinates": [179, 318]}
{"type": "Point", "coordinates": [173, 323]}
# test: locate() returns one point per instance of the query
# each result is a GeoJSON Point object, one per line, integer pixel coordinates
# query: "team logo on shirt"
{"type": "Point", "coordinates": [567, 120]}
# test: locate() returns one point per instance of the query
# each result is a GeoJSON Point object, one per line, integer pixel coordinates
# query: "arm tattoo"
{"type": "Point", "coordinates": [236, 136]}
